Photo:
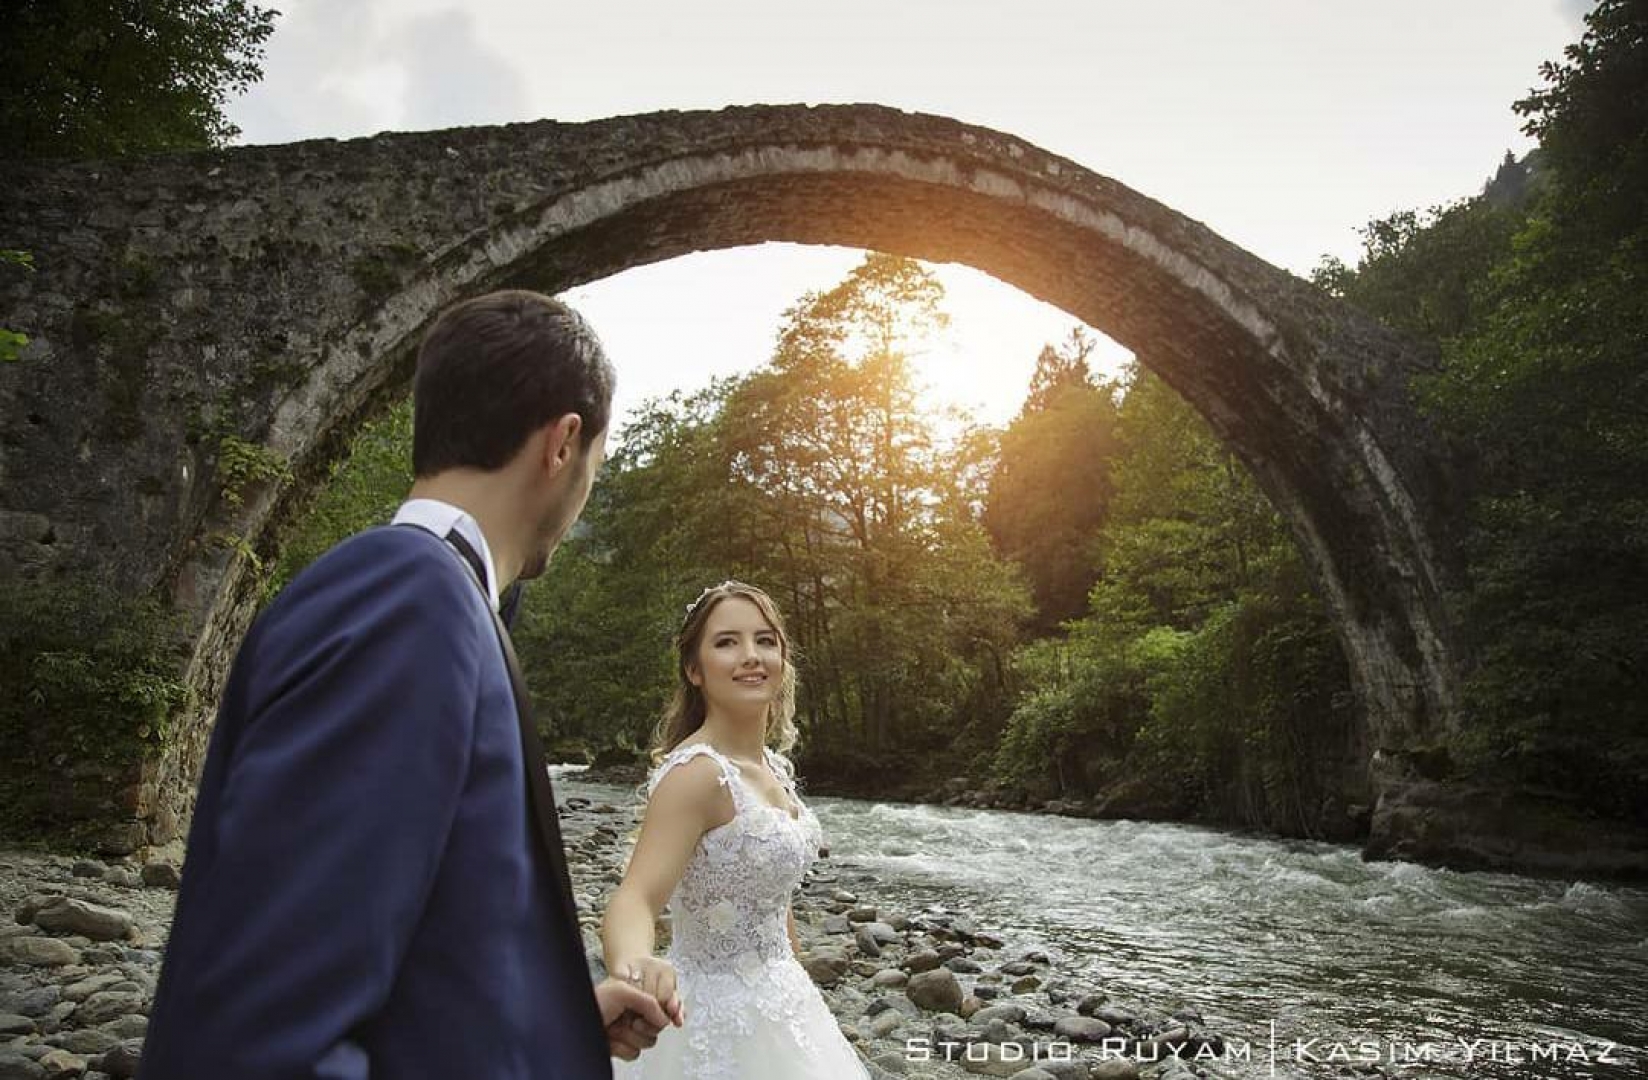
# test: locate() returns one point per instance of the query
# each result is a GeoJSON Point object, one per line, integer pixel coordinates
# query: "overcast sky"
{"type": "Point", "coordinates": [1281, 124]}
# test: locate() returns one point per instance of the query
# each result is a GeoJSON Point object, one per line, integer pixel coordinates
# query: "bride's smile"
{"type": "Point", "coordinates": [741, 660]}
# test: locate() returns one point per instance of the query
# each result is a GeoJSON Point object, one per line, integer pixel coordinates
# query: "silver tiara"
{"type": "Point", "coordinates": [692, 607]}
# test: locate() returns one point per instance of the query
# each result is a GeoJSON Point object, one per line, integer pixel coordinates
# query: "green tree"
{"type": "Point", "coordinates": [103, 78]}
{"type": "Point", "coordinates": [1541, 309]}
{"type": "Point", "coordinates": [821, 478]}
{"type": "Point", "coordinates": [1206, 680]}
{"type": "Point", "coordinates": [361, 489]}
{"type": "Point", "coordinates": [1427, 273]}
{"type": "Point", "coordinates": [1050, 487]}
{"type": "Point", "coordinates": [906, 611]}
{"type": "Point", "coordinates": [1550, 386]}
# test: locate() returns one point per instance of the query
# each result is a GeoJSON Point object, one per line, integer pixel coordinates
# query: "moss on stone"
{"type": "Point", "coordinates": [89, 688]}
{"type": "Point", "coordinates": [122, 342]}
{"type": "Point", "coordinates": [242, 465]}
{"type": "Point", "coordinates": [379, 273]}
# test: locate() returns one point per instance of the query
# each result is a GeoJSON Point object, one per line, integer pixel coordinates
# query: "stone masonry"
{"type": "Point", "coordinates": [276, 294]}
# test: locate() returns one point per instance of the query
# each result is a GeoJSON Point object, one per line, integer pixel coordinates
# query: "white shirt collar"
{"type": "Point", "coordinates": [440, 518]}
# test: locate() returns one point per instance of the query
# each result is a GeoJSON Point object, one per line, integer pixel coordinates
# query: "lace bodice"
{"type": "Point", "coordinates": [729, 941]}
{"type": "Point", "coordinates": [730, 904]}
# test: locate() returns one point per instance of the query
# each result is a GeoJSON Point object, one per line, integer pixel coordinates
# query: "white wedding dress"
{"type": "Point", "coordinates": [753, 1012]}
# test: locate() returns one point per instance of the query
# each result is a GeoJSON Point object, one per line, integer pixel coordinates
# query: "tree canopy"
{"type": "Point", "coordinates": [103, 78]}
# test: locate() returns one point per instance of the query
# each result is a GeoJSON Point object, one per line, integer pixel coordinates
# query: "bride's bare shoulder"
{"type": "Point", "coordinates": [689, 779]}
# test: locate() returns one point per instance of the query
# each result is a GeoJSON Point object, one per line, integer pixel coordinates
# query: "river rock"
{"type": "Point", "coordinates": [925, 960]}
{"type": "Point", "coordinates": [87, 1042]}
{"type": "Point", "coordinates": [1081, 1029]}
{"type": "Point", "coordinates": [889, 977]}
{"type": "Point", "coordinates": [1007, 1011]}
{"type": "Point", "coordinates": [1176, 1033]}
{"type": "Point", "coordinates": [837, 924]}
{"type": "Point", "coordinates": [124, 876]}
{"type": "Point", "coordinates": [826, 966]}
{"type": "Point", "coordinates": [969, 1006]}
{"type": "Point", "coordinates": [162, 875]}
{"type": "Point", "coordinates": [898, 1001]}
{"type": "Point", "coordinates": [121, 1062]}
{"type": "Point", "coordinates": [996, 1031]}
{"type": "Point", "coordinates": [1061, 1065]}
{"type": "Point", "coordinates": [65, 915]}
{"type": "Point", "coordinates": [1034, 1073]}
{"type": "Point", "coordinates": [38, 952]}
{"type": "Point", "coordinates": [1114, 1069]}
{"type": "Point", "coordinates": [36, 1001]}
{"type": "Point", "coordinates": [15, 1065]}
{"type": "Point", "coordinates": [1174, 1069]}
{"type": "Point", "coordinates": [1039, 1020]}
{"type": "Point", "coordinates": [886, 1022]}
{"type": "Point", "coordinates": [1115, 1017]}
{"type": "Point", "coordinates": [108, 1005]}
{"type": "Point", "coordinates": [1017, 967]}
{"type": "Point", "coordinates": [862, 914]}
{"type": "Point", "coordinates": [884, 933]}
{"type": "Point", "coordinates": [85, 988]}
{"type": "Point", "coordinates": [989, 1059]}
{"type": "Point", "coordinates": [963, 966]}
{"type": "Point", "coordinates": [61, 1063]}
{"type": "Point", "coordinates": [936, 991]}
{"type": "Point", "coordinates": [13, 1024]}
{"type": "Point", "coordinates": [866, 943]}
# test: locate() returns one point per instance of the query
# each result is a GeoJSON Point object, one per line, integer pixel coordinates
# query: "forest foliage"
{"type": "Point", "coordinates": [1537, 291]}
{"type": "Point", "coordinates": [1096, 603]}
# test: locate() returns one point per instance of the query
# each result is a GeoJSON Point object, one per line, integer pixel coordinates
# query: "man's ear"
{"type": "Point", "coordinates": [561, 442]}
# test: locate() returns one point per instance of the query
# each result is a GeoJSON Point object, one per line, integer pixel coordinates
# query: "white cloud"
{"type": "Point", "coordinates": [1575, 10]}
{"type": "Point", "coordinates": [341, 70]}
{"type": "Point", "coordinates": [452, 78]}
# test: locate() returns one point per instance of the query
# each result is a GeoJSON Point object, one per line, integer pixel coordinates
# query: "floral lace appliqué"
{"type": "Point", "coordinates": [729, 942]}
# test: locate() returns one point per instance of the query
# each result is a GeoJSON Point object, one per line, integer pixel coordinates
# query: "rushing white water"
{"type": "Point", "coordinates": [1302, 952]}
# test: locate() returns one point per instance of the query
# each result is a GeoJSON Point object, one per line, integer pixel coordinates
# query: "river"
{"type": "Point", "coordinates": [1304, 957]}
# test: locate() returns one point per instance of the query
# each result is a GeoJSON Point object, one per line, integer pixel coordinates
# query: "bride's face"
{"type": "Point", "coordinates": [740, 658]}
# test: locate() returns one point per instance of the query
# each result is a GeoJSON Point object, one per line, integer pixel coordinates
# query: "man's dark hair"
{"type": "Point", "coordinates": [494, 369]}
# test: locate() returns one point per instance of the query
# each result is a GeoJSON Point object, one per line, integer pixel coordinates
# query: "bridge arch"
{"type": "Point", "coordinates": [274, 295]}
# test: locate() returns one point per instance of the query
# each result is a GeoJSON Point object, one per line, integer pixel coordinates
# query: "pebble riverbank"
{"type": "Point", "coordinates": [81, 953]}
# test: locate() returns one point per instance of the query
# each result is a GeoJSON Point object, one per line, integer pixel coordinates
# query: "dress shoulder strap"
{"type": "Point", "coordinates": [731, 778]}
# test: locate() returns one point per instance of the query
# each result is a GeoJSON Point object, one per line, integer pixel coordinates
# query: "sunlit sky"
{"type": "Point", "coordinates": [1281, 124]}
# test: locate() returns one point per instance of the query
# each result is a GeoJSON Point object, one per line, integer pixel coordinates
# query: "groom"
{"type": "Point", "coordinates": [375, 884]}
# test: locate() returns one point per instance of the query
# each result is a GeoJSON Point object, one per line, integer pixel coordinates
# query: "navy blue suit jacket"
{"type": "Point", "coordinates": [364, 895]}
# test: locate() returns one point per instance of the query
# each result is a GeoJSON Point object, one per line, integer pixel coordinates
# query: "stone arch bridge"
{"type": "Point", "coordinates": [276, 295]}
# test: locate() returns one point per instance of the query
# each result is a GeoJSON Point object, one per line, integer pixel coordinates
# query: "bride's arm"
{"type": "Point", "coordinates": [789, 922]}
{"type": "Point", "coordinates": [687, 802]}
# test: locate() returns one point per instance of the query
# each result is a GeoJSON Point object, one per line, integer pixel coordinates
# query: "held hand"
{"type": "Point", "coordinates": [656, 976]}
{"type": "Point", "coordinates": [632, 1018]}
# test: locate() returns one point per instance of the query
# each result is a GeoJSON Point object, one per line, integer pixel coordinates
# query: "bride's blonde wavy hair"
{"type": "Point", "coordinates": [687, 708]}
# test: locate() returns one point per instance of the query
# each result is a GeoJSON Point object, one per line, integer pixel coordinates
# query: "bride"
{"type": "Point", "coordinates": [725, 841]}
